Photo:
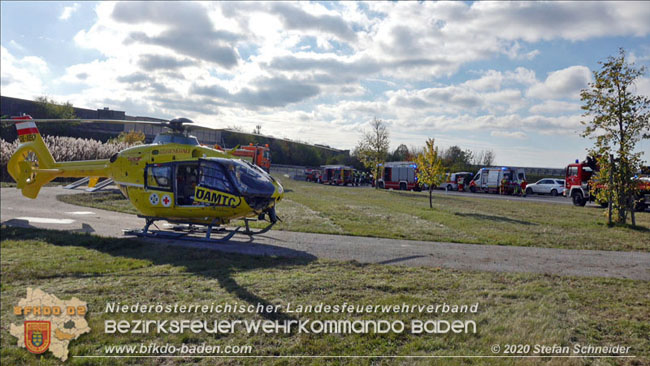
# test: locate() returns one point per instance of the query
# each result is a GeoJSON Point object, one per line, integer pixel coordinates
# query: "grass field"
{"type": "Point", "coordinates": [513, 308]}
{"type": "Point", "coordinates": [309, 207]}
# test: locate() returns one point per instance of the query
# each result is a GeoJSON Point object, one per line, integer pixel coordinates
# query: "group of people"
{"type": "Point", "coordinates": [361, 178]}
{"type": "Point", "coordinates": [513, 187]}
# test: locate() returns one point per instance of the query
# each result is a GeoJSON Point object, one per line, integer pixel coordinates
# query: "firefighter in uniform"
{"type": "Point", "coordinates": [516, 189]}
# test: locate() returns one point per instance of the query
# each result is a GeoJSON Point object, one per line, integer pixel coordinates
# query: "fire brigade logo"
{"type": "Point", "coordinates": [37, 335]}
{"type": "Point", "coordinates": [47, 323]}
{"type": "Point", "coordinates": [166, 200]}
{"type": "Point", "coordinates": [154, 199]}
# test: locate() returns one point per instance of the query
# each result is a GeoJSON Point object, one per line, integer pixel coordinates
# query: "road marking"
{"type": "Point", "coordinates": [46, 220]}
{"type": "Point", "coordinates": [80, 213]}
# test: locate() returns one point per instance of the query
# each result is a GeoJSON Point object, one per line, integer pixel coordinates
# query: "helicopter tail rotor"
{"type": "Point", "coordinates": [32, 165]}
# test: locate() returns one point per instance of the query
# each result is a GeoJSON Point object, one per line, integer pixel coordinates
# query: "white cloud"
{"type": "Point", "coordinates": [16, 45]}
{"type": "Point", "coordinates": [490, 80]}
{"type": "Point", "coordinates": [554, 107]}
{"type": "Point", "coordinates": [535, 21]}
{"type": "Point", "coordinates": [22, 77]}
{"type": "Point", "coordinates": [642, 86]}
{"type": "Point", "coordinates": [513, 134]}
{"type": "Point", "coordinates": [68, 11]}
{"type": "Point", "coordinates": [565, 83]}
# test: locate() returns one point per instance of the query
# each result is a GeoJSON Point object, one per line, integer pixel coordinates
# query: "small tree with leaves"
{"type": "Point", "coordinates": [373, 147]}
{"type": "Point", "coordinates": [430, 169]}
{"type": "Point", "coordinates": [48, 108]}
{"type": "Point", "coordinates": [619, 119]}
{"type": "Point", "coordinates": [130, 138]}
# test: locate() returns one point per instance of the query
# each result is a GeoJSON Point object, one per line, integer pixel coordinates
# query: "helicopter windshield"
{"type": "Point", "coordinates": [214, 176]}
{"type": "Point", "coordinates": [247, 179]}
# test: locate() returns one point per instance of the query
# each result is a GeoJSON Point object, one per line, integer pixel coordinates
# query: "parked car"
{"type": "Point", "coordinates": [550, 186]}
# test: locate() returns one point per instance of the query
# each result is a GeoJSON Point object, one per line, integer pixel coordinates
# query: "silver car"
{"type": "Point", "coordinates": [550, 186]}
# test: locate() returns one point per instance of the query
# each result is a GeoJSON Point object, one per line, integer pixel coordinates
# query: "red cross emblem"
{"type": "Point", "coordinates": [166, 200]}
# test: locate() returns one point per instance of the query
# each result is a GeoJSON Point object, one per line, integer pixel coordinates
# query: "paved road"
{"type": "Point", "coordinates": [47, 212]}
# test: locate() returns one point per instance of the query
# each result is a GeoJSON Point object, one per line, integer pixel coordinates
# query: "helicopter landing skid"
{"type": "Point", "coordinates": [184, 231]}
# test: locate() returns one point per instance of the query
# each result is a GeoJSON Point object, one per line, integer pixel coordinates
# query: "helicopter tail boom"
{"type": "Point", "coordinates": [32, 165]}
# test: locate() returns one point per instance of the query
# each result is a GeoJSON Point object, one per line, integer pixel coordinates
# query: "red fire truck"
{"type": "Point", "coordinates": [577, 185]}
{"type": "Point", "coordinates": [337, 174]}
{"type": "Point", "coordinates": [258, 155]}
{"type": "Point", "coordinates": [400, 175]}
{"type": "Point", "coordinates": [576, 181]}
{"type": "Point", "coordinates": [312, 175]}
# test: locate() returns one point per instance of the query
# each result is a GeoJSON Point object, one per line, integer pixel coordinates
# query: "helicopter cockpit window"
{"type": "Point", "coordinates": [213, 175]}
{"type": "Point", "coordinates": [250, 180]}
{"type": "Point", "coordinates": [159, 177]}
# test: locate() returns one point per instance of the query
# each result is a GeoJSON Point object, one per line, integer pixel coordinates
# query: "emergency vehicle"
{"type": "Point", "coordinates": [577, 179]}
{"type": "Point", "coordinates": [258, 155]}
{"type": "Point", "coordinates": [337, 174]}
{"type": "Point", "coordinates": [400, 175]}
{"type": "Point", "coordinates": [452, 182]}
{"type": "Point", "coordinates": [312, 175]}
{"type": "Point", "coordinates": [497, 180]}
{"type": "Point", "coordinates": [577, 184]}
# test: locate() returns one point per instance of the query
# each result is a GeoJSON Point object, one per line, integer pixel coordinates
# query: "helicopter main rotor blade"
{"type": "Point", "coordinates": [83, 120]}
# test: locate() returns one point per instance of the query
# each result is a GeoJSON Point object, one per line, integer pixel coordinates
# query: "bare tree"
{"type": "Point", "coordinates": [372, 149]}
{"type": "Point", "coordinates": [488, 158]}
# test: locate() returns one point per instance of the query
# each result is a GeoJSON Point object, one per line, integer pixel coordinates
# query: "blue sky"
{"type": "Point", "coordinates": [503, 76]}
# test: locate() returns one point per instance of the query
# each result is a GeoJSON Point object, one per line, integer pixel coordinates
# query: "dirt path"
{"type": "Point", "coordinates": [47, 212]}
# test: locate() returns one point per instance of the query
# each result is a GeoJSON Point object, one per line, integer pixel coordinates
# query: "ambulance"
{"type": "Point", "coordinates": [497, 180]}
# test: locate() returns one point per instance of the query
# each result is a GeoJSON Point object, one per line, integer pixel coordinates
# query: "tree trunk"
{"type": "Point", "coordinates": [430, 197]}
{"type": "Point", "coordinates": [622, 198]}
{"type": "Point", "coordinates": [610, 188]}
{"type": "Point", "coordinates": [632, 209]}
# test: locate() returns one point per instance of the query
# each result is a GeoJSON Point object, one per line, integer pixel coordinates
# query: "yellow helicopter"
{"type": "Point", "coordinates": [174, 178]}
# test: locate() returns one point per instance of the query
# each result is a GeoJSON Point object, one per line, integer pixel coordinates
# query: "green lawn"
{"type": "Point", "coordinates": [514, 308]}
{"type": "Point", "coordinates": [310, 207]}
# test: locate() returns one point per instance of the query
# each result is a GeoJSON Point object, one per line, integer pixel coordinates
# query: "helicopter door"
{"type": "Point", "coordinates": [187, 177]}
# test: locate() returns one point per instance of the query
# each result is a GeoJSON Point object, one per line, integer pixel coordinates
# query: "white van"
{"type": "Point", "coordinates": [490, 179]}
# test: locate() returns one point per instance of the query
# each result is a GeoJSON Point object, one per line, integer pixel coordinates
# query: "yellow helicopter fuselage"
{"type": "Point", "coordinates": [170, 181]}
